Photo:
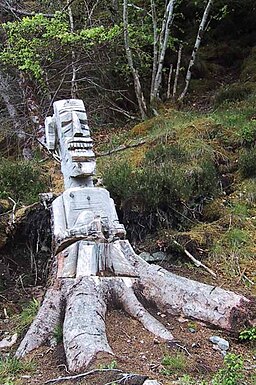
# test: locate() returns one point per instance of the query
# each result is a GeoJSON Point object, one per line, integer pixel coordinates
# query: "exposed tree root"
{"type": "Point", "coordinates": [86, 300]}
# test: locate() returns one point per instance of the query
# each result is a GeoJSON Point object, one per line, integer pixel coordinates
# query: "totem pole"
{"type": "Point", "coordinates": [84, 216]}
{"type": "Point", "coordinates": [97, 267]}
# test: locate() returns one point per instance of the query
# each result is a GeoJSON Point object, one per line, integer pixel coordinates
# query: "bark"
{"type": "Point", "coordinates": [42, 328]}
{"type": "Point", "coordinates": [5, 94]}
{"type": "Point", "coordinates": [177, 71]}
{"type": "Point", "coordinates": [84, 332]}
{"type": "Point", "coordinates": [87, 299]}
{"type": "Point", "coordinates": [73, 90]}
{"type": "Point", "coordinates": [136, 79]}
{"type": "Point", "coordinates": [163, 41]}
{"type": "Point", "coordinates": [33, 107]}
{"type": "Point", "coordinates": [196, 48]}
{"type": "Point", "coordinates": [168, 94]}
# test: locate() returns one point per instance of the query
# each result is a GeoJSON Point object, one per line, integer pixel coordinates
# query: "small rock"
{"type": "Point", "coordinates": [222, 344]}
{"type": "Point", "coordinates": [195, 345]}
{"type": "Point", "coordinates": [191, 330]}
{"type": "Point", "coordinates": [26, 376]}
{"type": "Point", "coordinates": [7, 342]}
{"type": "Point", "coordinates": [154, 257]}
{"type": "Point", "coordinates": [151, 382]}
{"type": "Point", "coordinates": [159, 256]}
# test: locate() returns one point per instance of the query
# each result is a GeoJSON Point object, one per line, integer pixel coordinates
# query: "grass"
{"type": "Point", "coordinates": [26, 317]}
{"type": "Point", "coordinates": [173, 364]}
{"type": "Point", "coordinates": [10, 367]}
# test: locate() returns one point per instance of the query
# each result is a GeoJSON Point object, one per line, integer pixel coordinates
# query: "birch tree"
{"type": "Point", "coordinates": [135, 74]}
{"type": "Point", "coordinates": [160, 45]}
{"type": "Point", "coordinates": [201, 30]}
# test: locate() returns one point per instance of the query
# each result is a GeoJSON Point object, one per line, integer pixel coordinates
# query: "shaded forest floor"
{"type": "Point", "coordinates": [136, 350]}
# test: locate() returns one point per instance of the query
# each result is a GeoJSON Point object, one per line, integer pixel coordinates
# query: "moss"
{"type": "Point", "coordinates": [248, 67]}
{"type": "Point", "coordinates": [213, 211]}
{"type": "Point", "coordinates": [234, 92]}
{"type": "Point", "coordinates": [247, 163]}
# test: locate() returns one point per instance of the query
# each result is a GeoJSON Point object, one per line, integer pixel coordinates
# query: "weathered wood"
{"type": "Point", "coordinates": [174, 294]}
{"type": "Point", "coordinates": [84, 332]}
{"type": "Point", "coordinates": [128, 300]}
{"type": "Point", "coordinates": [42, 328]}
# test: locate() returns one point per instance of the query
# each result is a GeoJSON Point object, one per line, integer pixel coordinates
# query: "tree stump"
{"type": "Point", "coordinates": [97, 267]}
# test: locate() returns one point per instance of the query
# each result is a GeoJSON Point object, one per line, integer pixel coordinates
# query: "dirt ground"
{"type": "Point", "coordinates": [135, 349]}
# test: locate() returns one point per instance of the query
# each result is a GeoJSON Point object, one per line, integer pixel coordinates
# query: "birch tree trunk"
{"type": "Point", "coordinates": [136, 79]}
{"type": "Point", "coordinates": [196, 47]}
{"type": "Point", "coordinates": [163, 37]}
{"type": "Point", "coordinates": [73, 90]}
{"type": "Point", "coordinates": [5, 94]}
{"type": "Point", "coordinates": [177, 71]}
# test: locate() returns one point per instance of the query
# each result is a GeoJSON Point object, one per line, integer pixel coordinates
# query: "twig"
{"type": "Point", "coordinates": [196, 262]}
{"type": "Point", "coordinates": [22, 12]}
{"type": "Point", "coordinates": [249, 280]}
{"type": "Point", "coordinates": [241, 275]}
{"type": "Point", "coordinates": [121, 148]}
{"type": "Point", "coordinates": [13, 209]}
{"type": "Point", "coordinates": [183, 348]}
{"type": "Point", "coordinates": [81, 375]}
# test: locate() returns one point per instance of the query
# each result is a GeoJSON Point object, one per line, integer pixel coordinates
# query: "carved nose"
{"type": "Point", "coordinates": [77, 128]}
{"type": "Point", "coordinates": [78, 132]}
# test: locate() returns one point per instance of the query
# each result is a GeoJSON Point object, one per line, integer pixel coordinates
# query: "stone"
{"type": "Point", "coordinates": [158, 256]}
{"type": "Point", "coordinates": [151, 382]}
{"type": "Point", "coordinates": [221, 343]}
{"type": "Point", "coordinates": [9, 341]}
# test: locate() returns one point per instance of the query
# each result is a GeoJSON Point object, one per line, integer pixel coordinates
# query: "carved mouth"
{"type": "Point", "coordinates": [79, 146]}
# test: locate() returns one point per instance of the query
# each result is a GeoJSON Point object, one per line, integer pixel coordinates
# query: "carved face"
{"type": "Point", "coordinates": [74, 141]}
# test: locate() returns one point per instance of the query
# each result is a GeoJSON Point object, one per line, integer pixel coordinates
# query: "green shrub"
{"type": "Point", "coordinates": [248, 334]}
{"type": "Point", "coordinates": [231, 373]}
{"type": "Point", "coordinates": [247, 133]}
{"type": "Point", "coordinates": [168, 186]}
{"type": "Point", "coordinates": [21, 180]}
{"type": "Point", "coordinates": [247, 163]}
{"type": "Point", "coordinates": [233, 92]}
{"type": "Point", "coordinates": [236, 238]}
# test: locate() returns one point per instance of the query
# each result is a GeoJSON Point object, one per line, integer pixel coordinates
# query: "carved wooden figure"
{"type": "Point", "coordinates": [97, 266]}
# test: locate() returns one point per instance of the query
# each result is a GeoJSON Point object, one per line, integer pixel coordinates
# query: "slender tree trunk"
{"type": "Point", "coordinates": [196, 47]}
{"type": "Point", "coordinates": [155, 49]}
{"type": "Point", "coordinates": [163, 41]}
{"type": "Point", "coordinates": [33, 106]}
{"type": "Point", "coordinates": [5, 94]}
{"type": "Point", "coordinates": [73, 90]}
{"type": "Point", "coordinates": [177, 71]}
{"type": "Point", "coordinates": [136, 79]}
{"type": "Point", "coordinates": [168, 94]}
